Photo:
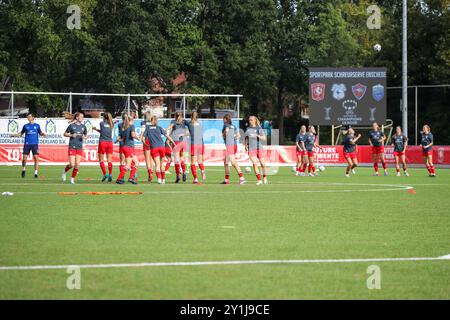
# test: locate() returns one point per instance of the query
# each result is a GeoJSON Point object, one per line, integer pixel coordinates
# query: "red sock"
{"type": "Point", "coordinates": [404, 167]}
{"type": "Point", "coordinates": [264, 175]}
{"type": "Point", "coordinates": [299, 169]}
{"type": "Point", "coordinates": [102, 166]}
{"type": "Point", "coordinates": [110, 167]}
{"type": "Point", "coordinates": [177, 169]}
{"type": "Point", "coordinates": [202, 168]}
{"type": "Point", "coordinates": [304, 167]}
{"type": "Point", "coordinates": [313, 169]}
{"type": "Point", "coordinates": [241, 175]}
{"type": "Point", "coordinates": [309, 168]}
{"type": "Point", "coordinates": [158, 174]}
{"type": "Point", "coordinates": [167, 165]}
{"type": "Point", "coordinates": [74, 172]}
{"type": "Point", "coordinates": [183, 166]}
{"type": "Point", "coordinates": [227, 177]}
{"type": "Point", "coordinates": [133, 171]}
{"type": "Point", "coordinates": [432, 170]}
{"type": "Point", "coordinates": [194, 171]}
{"type": "Point", "coordinates": [67, 168]}
{"type": "Point", "coordinates": [398, 170]}
{"type": "Point", "coordinates": [258, 176]}
{"type": "Point", "coordinates": [163, 175]}
{"type": "Point", "coordinates": [375, 166]}
{"type": "Point", "coordinates": [122, 171]}
{"type": "Point", "coordinates": [384, 165]}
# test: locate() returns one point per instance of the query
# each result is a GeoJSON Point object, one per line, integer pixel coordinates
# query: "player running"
{"type": "Point", "coordinates": [146, 147]}
{"type": "Point", "coordinates": [376, 141]}
{"type": "Point", "coordinates": [178, 131]}
{"type": "Point", "coordinates": [427, 149]}
{"type": "Point", "coordinates": [350, 151]}
{"type": "Point", "coordinates": [254, 137]}
{"type": "Point", "coordinates": [400, 142]}
{"type": "Point", "coordinates": [302, 154]}
{"type": "Point", "coordinates": [230, 136]}
{"type": "Point", "coordinates": [197, 146]}
{"type": "Point", "coordinates": [32, 131]}
{"type": "Point", "coordinates": [154, 134]}
{"type": "Point", "coordinates": [310, 144]}
{"type": "Point", "coordinates": [127, 135]}
{"type": "Point", "coordinates": [77, 134]}
{"type": "Point", "coordinates": [105, 145]}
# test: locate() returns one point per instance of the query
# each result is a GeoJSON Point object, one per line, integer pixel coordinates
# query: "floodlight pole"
{"type": "Point", "coordinates": [405, 68]}
{"type": "Point", "coordinates": [12, 104]}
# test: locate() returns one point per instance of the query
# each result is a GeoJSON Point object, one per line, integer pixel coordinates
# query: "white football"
{"type": "Point", "coordinates": [321, 168]}
{"type": "Point", "coordinates": [294, 169]}
{"type": "Point", "coordinates": [248, 169]}
{"type": "Point", "coordinates": [377, 47]}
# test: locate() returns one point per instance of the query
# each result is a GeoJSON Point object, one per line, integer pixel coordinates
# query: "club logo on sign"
{"type": "Point", "coordinates": [88, 125]}
{"type": "Point", "coordinates": [318, 91]}
{"type": "Point", "coordinates": [338, 90]}
{"type": "Point", "coordinates": [13, 126]}
{"type": "Point", "coordinates": [359, 90]}
{"type": "Point", "coordinates": [378, 92]}
{"type": "Point", "coordinates": [349, 106]}
{"type": "Point", "coordinates": [50, 126]}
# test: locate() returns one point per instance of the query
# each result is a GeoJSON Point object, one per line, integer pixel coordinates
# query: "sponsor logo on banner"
{"type": "Point", "coordinates": [359, 90]}
{"type": "Point", "coordinates": [318, 91]}
{"type": "Point", "coordinates": [349, 106]}
{"type": "Point", "coordinates": [88, 125]}
{"type": "Point", "coordinates": [50, 126]}
{"type": "Point", "coordinates": [338, 90]}
{"type": "Point", "coordinates": [378, 92]}
{"type": "Point", "coordinates": [13, 126]}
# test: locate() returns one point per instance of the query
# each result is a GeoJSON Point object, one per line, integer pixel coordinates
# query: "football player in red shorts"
{"type": "Point", "coordinates": [77, 132]}
{"type": "Point", "coordinates": [197, 146]}
{"type": "Point", "coordinates": [146, 145]}
{"type": "Point", "coordinates": [254, 138]}
{"type": "Point", "coordinates": [427, 149]}
{"type": "Point", "coordinates": [154, 134]}
{"type": "Point", "coordinates": [350, 151]}
{"type": "Point", "coordinates": [400, 143]}
{"type": "Point", "coordinates": [230, 136]}
{"type": "Point", "coordinates": [178, 131]}
{"type": "Point", "coordinates": [127, 135]}
{"type": "Point", "coordinates": [105, 145]}
{"type": "Point", "coordinates": [302, 154]}
{"type": "Point", "coordinates": [376, 141]}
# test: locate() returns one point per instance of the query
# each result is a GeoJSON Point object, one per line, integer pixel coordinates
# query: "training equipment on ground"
{"type": "Point", "coordinates": [321, 168]}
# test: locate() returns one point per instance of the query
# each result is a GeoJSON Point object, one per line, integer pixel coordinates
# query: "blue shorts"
{"type": "Point", "coordinates": [31, 147]}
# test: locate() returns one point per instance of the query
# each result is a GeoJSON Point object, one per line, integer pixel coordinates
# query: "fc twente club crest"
{"type": "Point", "coordinates": [378, 92]}
{"type": "Point", "coordinates": [318, 91]}
{"type": "Point", "coordinates": [359, 90]}
{"type": "Point", "coordinates": [338, 90]}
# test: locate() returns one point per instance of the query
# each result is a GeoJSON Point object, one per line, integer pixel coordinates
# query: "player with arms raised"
{"type": "Point", "coordinates": [77, 134]}
{"type": "Point", "coordinates": [400, 142]}
{"type": "Point", "coordinates": [427, 149]}
{"type": "Point", "coordinates": [350, 151]}
{"type": "Point", "coordinates": [376, 141]}
{"type": "Point", "coordinates": [32, 131]}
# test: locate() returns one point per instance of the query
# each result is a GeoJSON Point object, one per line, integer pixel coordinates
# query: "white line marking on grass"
{"type": "Point", "coordinates": [229, 227]}
{"type": "Point", "coordinates": [211, 263]}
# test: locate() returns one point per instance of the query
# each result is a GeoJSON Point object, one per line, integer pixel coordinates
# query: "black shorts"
{"type": "Point", "coordinates": [31, 147]}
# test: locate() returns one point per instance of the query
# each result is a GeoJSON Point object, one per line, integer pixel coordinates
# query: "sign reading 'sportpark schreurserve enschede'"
{"type": "Point", "coordinates": [347, 96]}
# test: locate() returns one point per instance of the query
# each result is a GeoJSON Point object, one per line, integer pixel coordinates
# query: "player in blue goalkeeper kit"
{"type": "Point", "coordinates": [32, 131]}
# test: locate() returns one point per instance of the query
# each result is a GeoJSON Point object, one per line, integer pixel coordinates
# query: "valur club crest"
{"type": "Point", "coordinates": [318, 91]}
{"type": "Point", "coordinates": [359, 90]}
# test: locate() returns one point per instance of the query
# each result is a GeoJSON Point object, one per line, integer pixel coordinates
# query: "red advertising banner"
{"type": "Point", "coordinates": [214, 154]}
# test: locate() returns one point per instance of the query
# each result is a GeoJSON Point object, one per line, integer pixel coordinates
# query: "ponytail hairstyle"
{"type": "Point", "coordinates": [154, 120]}
{"type": "Point", "coordinates": [256, 120]}
{"type": "Point", "coordinates": [227, 118]}
{"type": "Point", "coordinates": [303, 127]}
{"type": "Point", "coordinates": [108, 118]}
{"type": "Point", "coordinates": [148, 116]}
{"type": "Point", "coordinates": [126, 121]}
{"type": "Point", "coordinates": [311, 128]}
{"type": "Point", "coordinates": [194, 116]}
{"type": "Point", "coordinates": [427, 127]}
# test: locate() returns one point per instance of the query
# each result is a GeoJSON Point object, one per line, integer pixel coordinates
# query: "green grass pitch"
{"type": "Point", "coordinates": [326, 217]}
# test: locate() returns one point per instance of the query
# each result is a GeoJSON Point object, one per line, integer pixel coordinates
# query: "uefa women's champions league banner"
{"type": "Point", "coordinates": [53, 149]}
{"type": "Point", "coordinates": [347, 96]}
